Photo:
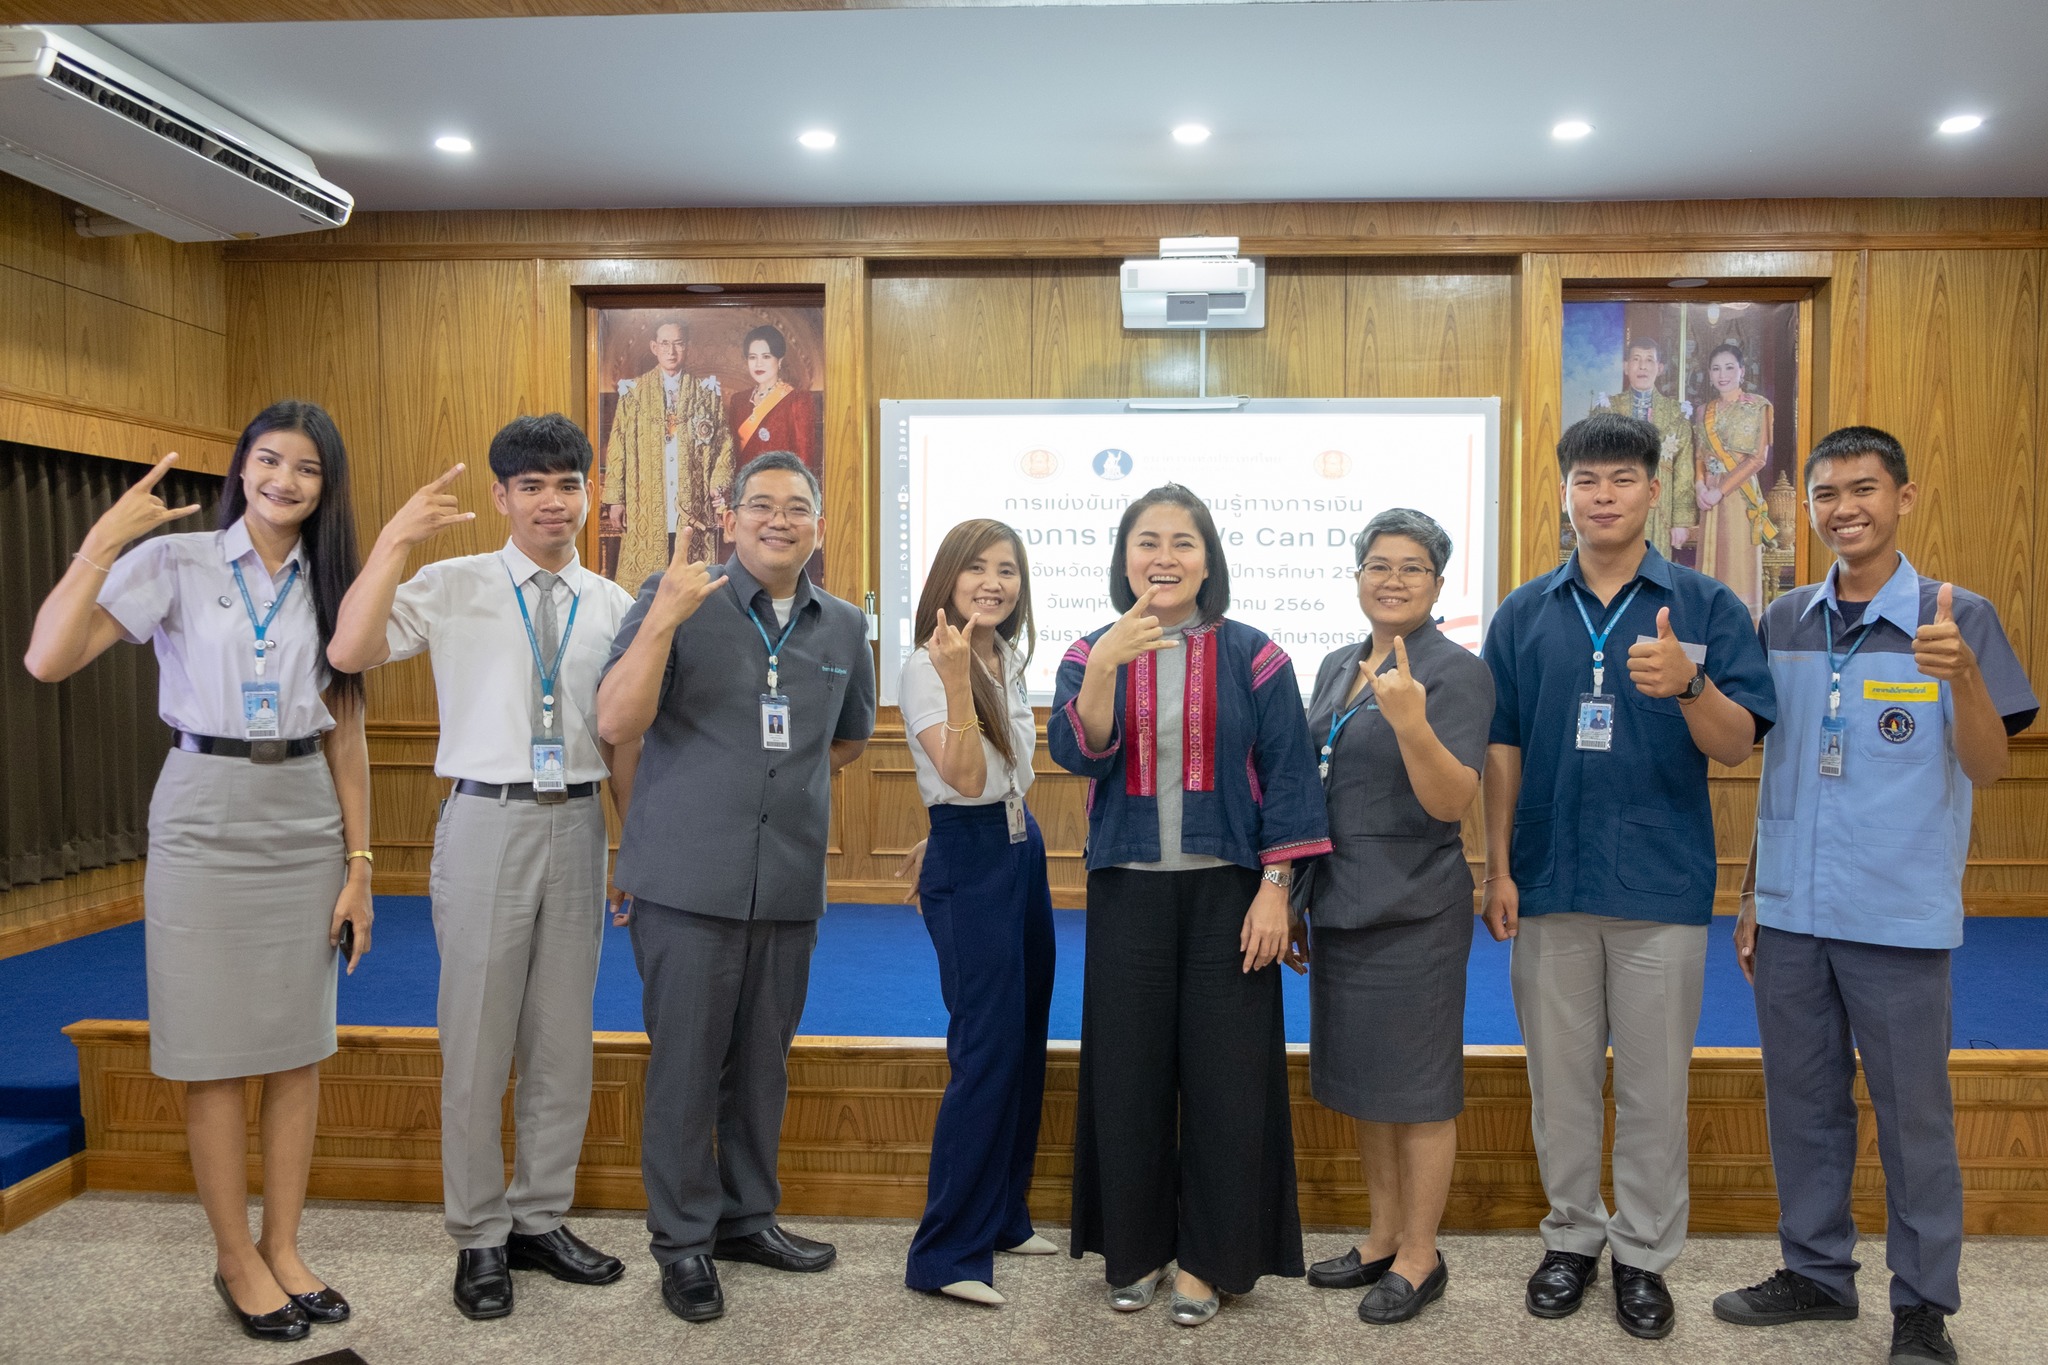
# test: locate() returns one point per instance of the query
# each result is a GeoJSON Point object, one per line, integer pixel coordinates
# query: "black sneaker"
{"type": "Point", "coordinates": [1920, 1333]}
{"type": "Point", "coordinates": [1787, 1296]}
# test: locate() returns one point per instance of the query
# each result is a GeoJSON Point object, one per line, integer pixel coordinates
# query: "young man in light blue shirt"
{"type": "Point", "coordinates": [1896, 696]}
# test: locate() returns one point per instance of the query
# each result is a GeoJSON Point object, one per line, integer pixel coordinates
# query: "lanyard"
{"type": "Point", "coordinates": [263, 626]}
{"type": "Point", "coordinates": [1835, 666]}
{"type": "Point", "coordinates": [1599, 638]}
{"type": "Point", "coordinates": [1337, 724]}
{"type": "Point", "coordinates": [774, 650]}
{"type": "Point", "coordinates": [547, 675]}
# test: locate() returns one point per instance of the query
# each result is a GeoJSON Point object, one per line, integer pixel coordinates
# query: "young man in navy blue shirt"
{"type": "Point", "coordinates": [1898, 695]}
{"type": "Point", "coordinates": [1617, 677]}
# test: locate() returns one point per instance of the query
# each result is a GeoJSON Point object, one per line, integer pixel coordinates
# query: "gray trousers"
{"type": "Point", "coordinates": [1820, 1002]}
{"type": "Point", "coordinates": [519, 919]}
{"type": "Point", "coordinates": [721, 999]}
{"type": "Point", "coordinates": [1581, 982]}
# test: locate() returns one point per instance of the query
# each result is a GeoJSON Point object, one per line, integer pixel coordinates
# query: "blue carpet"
{"type": "Point", "coordinates": [874, 976]}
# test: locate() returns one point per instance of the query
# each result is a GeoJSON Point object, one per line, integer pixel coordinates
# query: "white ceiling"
{"type": "Point", "coordinates": [1725, 99]}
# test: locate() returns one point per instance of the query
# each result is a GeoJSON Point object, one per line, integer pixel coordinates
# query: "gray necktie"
{"type": "Point", "coordinates": [548, 630]}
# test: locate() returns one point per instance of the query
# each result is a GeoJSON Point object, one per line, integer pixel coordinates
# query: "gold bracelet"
{"type": "Point", "coordinates": [80, 554]}
{"type": "Point", "coordinates": [974, 724]}
{"type": "Point", "coordinates": [362, 853]}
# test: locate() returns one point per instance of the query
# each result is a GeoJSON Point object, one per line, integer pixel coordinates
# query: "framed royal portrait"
{"type": "Point", "coordinates": [684, 389]}
{"type": "Point", "coordinates": [1723, 379]}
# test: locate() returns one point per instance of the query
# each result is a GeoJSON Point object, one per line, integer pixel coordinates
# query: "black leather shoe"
{"type": "Point", "coordinates": [564, 1255]}
{"type": "Point", "coordinates": [483, 1283]}
{"type": "Point", "coordinates": [778, 1250]}
{"type": "Point", "coordinates": [690, 1289]}
{"type": "Point", "coordinates": [1347, 1272]}
{"type": "Point", "coordinates": [1559, 1284]}
{"type": "Point", "coordinates": [1642, 1305]}
{"type": "Point", "coordinates": [324, 1306]}
{"type": "Point", "coordinates": [1394, 1300]}
{"type": "Point", "coordinates": [1787, 1296]}
{"type": "Point", "coordinates": [1920, 1334]}
{"type": "Point", "coordinates": [279, 1324]}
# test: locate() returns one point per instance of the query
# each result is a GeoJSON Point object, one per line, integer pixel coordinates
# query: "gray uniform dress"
{"type": "Point", "coordinates": [1391, 906]}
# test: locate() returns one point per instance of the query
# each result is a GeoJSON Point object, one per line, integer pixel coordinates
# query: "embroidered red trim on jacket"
{"type": "Point", "coordinates": [1141, 728]}
{"type": "Point", "coordinates": [1198, 713]}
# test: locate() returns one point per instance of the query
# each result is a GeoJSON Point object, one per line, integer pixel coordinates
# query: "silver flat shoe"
{"type": "Point", "coordinates": [1194, 1312]}
{"type": "Point", "coordinates": [1131, 1297]}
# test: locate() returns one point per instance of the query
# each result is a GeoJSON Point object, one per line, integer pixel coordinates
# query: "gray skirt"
{"type": "Point", "coordinates": [245, 864]}
{"type": "Point", "coordinates": [1387, 1018]}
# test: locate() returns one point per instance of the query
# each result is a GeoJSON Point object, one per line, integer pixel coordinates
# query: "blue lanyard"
{"type": "Point", "coordinates": [1835, 665]}
{"type": "Point", "coordinates": [1599, 638]}
{"type": "Point", "coordinates": [1337, 724]}
{"type": "Point", "coordinates": [547, 675]}
{"type": "Point", "coordinates": [263, 626]}
{"type": "Point", "coordinates": [774, 650]}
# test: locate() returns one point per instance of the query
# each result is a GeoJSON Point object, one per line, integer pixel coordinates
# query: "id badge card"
{"type": "Point", "coordinates": [1013, 811]}
{"type": "Point", "coordinates": [262, 708]}
{"type": "Point", "coordinates": [1832, 728]}
{"type": "Point", "coordinates": [774, 721]}
{"type": "Point", "coordinates": [550, 759]}
{"type": "Point", "coordinates": [1596, 721]}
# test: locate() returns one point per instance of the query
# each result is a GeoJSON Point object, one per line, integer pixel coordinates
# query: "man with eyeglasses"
{"type": "Point", "coordinates": [666, 463]}
{"type": "Point", "coordinates": [751, 687]}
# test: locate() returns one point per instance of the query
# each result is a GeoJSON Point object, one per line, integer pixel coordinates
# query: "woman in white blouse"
{"type": "Point", "coordinates": [258, 864]}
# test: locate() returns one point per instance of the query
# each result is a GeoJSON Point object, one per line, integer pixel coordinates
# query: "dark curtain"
{"type": "Point", "coordinates": [80, 757]}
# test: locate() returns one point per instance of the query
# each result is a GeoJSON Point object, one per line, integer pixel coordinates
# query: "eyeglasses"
{"type": "Point", "coordinates": [796, 513]}
{"type": "Point", "coordinates": [1411, 575]}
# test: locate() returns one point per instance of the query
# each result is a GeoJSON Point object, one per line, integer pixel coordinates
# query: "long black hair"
{"type": "Point", "coordinates": [1212, 599]}
{"type": "Point", "coordinates": [329, 534]}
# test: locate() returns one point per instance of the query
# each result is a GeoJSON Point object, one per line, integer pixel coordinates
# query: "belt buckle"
{"type": "Point", "coordinates": [550, 798]}
{"type": "Point", "coordinates": [266, 751]}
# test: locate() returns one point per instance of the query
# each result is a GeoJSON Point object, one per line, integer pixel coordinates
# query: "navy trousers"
{"type": "Point", "coordinates": [989, 912]}
{"type": "Point", "coordinates": [1820, 1003]}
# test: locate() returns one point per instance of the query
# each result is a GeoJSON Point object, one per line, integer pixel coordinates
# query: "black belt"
{"type": "Point", "coordinates": [255, 750]}
{"type": "Point", "coordinates": [523, 791]}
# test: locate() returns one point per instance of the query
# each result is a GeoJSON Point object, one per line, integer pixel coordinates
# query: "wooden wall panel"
{"type": "Point", "coordinates": [1536, 424]}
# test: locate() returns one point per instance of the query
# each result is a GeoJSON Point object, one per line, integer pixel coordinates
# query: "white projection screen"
{"type": "Point", "coordinates": [1289, 481]}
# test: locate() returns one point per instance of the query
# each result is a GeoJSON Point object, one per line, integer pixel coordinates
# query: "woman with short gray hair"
{"type": "Point", "coordinates": [1400, 720]}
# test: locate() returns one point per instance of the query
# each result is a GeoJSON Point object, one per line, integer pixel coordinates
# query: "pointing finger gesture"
{"type": "Point", "coordinates": [1939, 649]}
{"type": "Point", "coordinates": [684, 585]}
{"type": "Point", "coordinates": [948, 649]}
{"type": "Point", "coordinates": [1135, 632]}
{"type": "Point", "coordinates": [1403, 701]}
{"type": "Point", "coordinates": [429, 511]}
{"type": "Point", "coordinates": [136, 512]}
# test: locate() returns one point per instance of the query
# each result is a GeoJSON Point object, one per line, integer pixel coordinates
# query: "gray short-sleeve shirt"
{"type": "Point", "coordinates": [1391, 860]}
{"type": "Point", "coordinates": [721, 825]}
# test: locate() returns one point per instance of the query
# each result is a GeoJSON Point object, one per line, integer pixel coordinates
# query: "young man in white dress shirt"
{"type": "Point", "coordinates": [517, 638]}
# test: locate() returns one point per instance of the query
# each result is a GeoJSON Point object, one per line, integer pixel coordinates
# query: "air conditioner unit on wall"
{"type": "Point", "coordinates": [86, 121]}
{"type": "Point", "coordinates": [1196, 283]}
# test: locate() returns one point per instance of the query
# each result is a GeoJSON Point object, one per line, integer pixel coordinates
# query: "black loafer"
{"type": "Point", "coordinates": [325, 1306]}
{"type": "Point", "coordinates": [564, 1255]}
{"type": "Point", "coordinates": [1642, 1305]}
{"type": "Point", "coordinates": [483, 1283]}
{"type": "Point", "coordinates": [1394, 1300]}
{"type": "Point", "coordinates": [1920, 1334]}
{"type": "Point", "coordinates": [1787, 1296]}
{"type": "Point", "coordinates": [690, 1289]}
{"type": "Point", "coordinates": [1347, 1272]}
{"type": "Point", "coordinates": [778, 1250]}
{"type": "Point", "coordinates": [279, 1324]}
{"type": "Point", "coordinates": [1559, 1284]}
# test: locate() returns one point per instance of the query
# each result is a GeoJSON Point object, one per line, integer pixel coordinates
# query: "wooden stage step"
{"type": "Point", "coordinates": [857, 1134]}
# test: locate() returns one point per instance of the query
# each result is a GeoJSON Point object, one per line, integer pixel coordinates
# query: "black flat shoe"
{"type": "Point", "coordinates": [1642, 1305]}
{"type": "Point", "coordinates": [1394, 1300]}
{"type": "Point", "coordinates": [690, 1289]}
{"type": "Point", "coordinates": [279, 1324]}
{"type": "Point", "coordinates": [1559, 1284]}
{"type": "Point", "coordinates": [778, 1250]}
{"type": "Point", "coordinates": [1347, 1272]}
{"type": "Point", "coordinates": [324, 1306]}
{"type": "Point", "coordinates": [1787, 1296]}
{"type": "Point", "coordinates": [483, 1283]}
{"type": "Point", "coordinates": [564, 1255]}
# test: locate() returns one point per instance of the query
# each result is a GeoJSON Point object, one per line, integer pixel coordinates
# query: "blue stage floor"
{"type": "Point", "coordinates": [873, 975]}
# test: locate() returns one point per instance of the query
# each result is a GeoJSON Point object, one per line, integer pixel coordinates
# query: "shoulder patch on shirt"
{"type": "Point", "coordinates": [1876, 690]}
{"type": "Point", "coordinates": [1895, 724]}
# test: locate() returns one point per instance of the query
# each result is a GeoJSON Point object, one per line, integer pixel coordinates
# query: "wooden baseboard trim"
{"type": "Point", "coordinates": [86, 919]}
{"type": "Point", "coordinates": [29, 1199]}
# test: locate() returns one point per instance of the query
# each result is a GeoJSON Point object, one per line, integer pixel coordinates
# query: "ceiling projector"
{"type": "Point", "coordinates": [1195, 283]}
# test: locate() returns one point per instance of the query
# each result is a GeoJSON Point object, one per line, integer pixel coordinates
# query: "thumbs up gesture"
{"type": "Point", "coordinates": [1939, 650]}
{"type": "Point", "coordinates": [1659, 667]}
{"type": "Point", "coordinates": [1403, 701]}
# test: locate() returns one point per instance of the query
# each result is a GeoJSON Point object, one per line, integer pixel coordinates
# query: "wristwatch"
{"type": "Point", "coordinates": [1697, 686]}
{"type": "Point", "coordinates": [1282, 877]}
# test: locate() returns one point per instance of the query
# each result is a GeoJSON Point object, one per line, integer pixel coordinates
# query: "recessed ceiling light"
{"type": "Point", "coordinates": [452, 143]}
{"type": "Point", "coordinates": [703, 289]}
{"type": "Point", "coordinates": [1690, 282]}
{"type": "Point", "coordinates": [1190, 133]}
{"type": "Point", "coordinates": [819, 139]}
{"type": "Point", "coordinates": [1571, 130]}
{"type": "Point", "coordinates": [1962, 123]}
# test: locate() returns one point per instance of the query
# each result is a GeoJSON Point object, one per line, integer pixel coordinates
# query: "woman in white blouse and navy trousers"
{"type": "Point", "coordinates": [258, 867]}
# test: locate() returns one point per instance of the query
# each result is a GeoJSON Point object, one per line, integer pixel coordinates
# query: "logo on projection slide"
{"type": "Point", "coordinates": [1038, 464]}
{"type": "Point", "coordinates": [1112, 464]}
{"type": "Point", "coordinates": [1895, 723]}
{"type": "Point", "coordinates": [1333, 464]}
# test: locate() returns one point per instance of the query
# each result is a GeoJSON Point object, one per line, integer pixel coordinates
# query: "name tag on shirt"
{"type": "Point", "coordinates": [262, 710]}
{"type": "Point", "coordinates": [550, 764]}
{"type": "Point", "coordinates": [1873, 690]}
{"type": "Point", "coordinates": [774, 721]}
{"type": "Point", "coordinates": [1596, 721]}
{"type": "Point", "coordinates": [1832, 728]}
{"type": "Point", "coordinates": [1013, 809]}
